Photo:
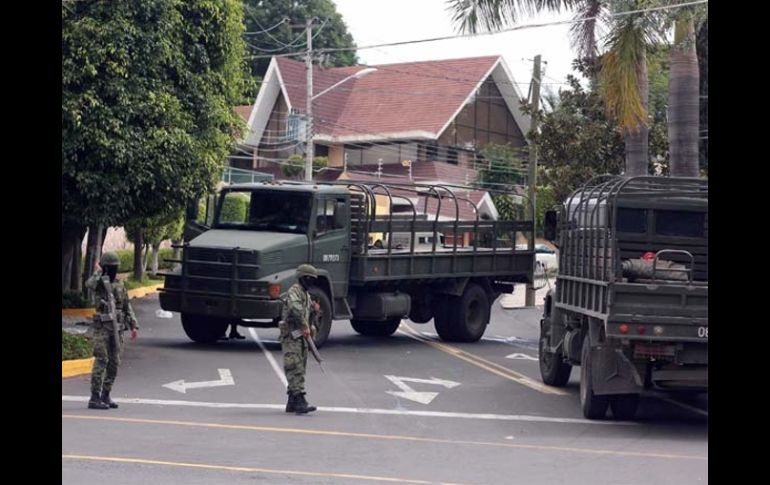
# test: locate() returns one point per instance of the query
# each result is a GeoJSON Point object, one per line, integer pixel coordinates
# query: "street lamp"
{"type": "Point", "coordinates": [309, 109]}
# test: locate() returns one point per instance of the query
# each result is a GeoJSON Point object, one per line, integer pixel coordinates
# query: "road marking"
{"type": "Point", "coordinates": [419, 439]}
{"type": "Point", "coordinates": [485, 364]}
{"type": "Point", "coordinates": [276, 471]}
{"type": "Point", "coordinates": [225, 379]}
{"type": "Point", "coordinates": [420, 397]}
{"type": "Point", "coordinates": [684, 405]}
{"type": "Point", "coordinates": [393, 412]}
{"type": "Point", "coordinates": [270, 358]}
{"type": "Point", "coordinates": [521, 357]}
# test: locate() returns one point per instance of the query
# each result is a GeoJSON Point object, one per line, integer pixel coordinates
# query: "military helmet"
{"type": "Point", "coordinates": [109, 259]}
{"type": "Point", "coordinates": [306, 270]}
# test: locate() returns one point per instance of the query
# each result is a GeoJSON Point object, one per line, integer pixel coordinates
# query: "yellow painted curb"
{"type": "Point", "coordinates": [143, 291]}
{"type": "Point", "coordinates": [71, 368]}
{"type": "Point", "coordinates": [78, 312]}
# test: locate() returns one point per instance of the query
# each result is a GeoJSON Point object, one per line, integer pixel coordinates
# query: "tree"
{"type": "Point", "coordinates": [703, 67]}
{"type": "Point", "coordinates": [501, 171]}
{"type": "Point", "coordinates": [147, 95]}
{"type": "Point", "coordinates": [577, 140]}
{"type": "Point", "coordinates": [277, 27]}
{"type": "Point", "coordinates": [295, 165]}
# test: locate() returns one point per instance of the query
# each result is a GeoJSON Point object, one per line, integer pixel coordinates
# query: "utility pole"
{"type": "Point", "coordinates": [309, 102]}
{"type": "Point", "coordinates": [529, 297]}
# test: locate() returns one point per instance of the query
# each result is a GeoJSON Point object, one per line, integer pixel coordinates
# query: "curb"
{"type": "Point", "coordinates": [143, 291]}
{"type": "Point", "coordinates": [78, 312]}
{"type": "Point", "coordinates": [72, 368]}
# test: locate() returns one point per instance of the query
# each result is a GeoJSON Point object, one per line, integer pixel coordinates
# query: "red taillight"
{"type": "Point", "coordinates": [274, 290]}
{"type": "Point", "coordinates": [640, 329]}
{"type": "Point", "coordinates": [623, 328]}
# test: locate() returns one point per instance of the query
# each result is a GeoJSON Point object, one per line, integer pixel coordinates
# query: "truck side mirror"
{"type": "Point", "coordinates": [340, 215]}
{"type": "Point", "coordinates": [549, 226]}
{"type": "Point", "coordinates": [192, 210]}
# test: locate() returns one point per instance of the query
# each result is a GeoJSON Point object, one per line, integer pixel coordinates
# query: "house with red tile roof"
{"type": "Point", "coordinates": [423, 122]}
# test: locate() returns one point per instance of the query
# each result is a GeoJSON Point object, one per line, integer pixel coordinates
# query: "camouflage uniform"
{"type": "Point", "coordinates": [295, 324]}
{"type": "Point", "coordinates": [295, 317]}
{"type": "Point", "coordinates": [106, 352]}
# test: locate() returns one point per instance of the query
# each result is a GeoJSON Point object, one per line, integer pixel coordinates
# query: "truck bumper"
{"type": "Point", "coordinates": [219, 306]}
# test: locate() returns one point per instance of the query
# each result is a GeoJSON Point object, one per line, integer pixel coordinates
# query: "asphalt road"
{"type": "Point", "coordinates": [402, 409]}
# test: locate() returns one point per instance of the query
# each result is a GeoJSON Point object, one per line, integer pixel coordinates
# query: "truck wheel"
{"type": "Point", "coordinates": [553, 370]}
{"type": "Point", "coordinates": [203, 329]}
{"type": "Point", "coordinates": [471, 312]}
{"type": "Point", "coordinates": [325, 322]}
{"type": "Point", "coordinates": [376, 329]}
{"type": "Point", "coordinates": [594, 407]}
{"type": "Point", "coordinates": [443, 318]}
{"type": "Point", "coordinates": [624, 406]}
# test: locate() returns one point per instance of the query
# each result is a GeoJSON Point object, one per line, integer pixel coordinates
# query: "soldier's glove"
{"type": "Point", "coordinates": [306, 332]}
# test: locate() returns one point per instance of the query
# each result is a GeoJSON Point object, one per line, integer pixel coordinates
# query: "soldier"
{"type": "Point", "coordinates": [295, 326]}
{"type": "Point", "coordinates": [113, 315]}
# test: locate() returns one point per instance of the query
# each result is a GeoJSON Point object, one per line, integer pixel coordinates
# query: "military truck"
{"type": "Point", "coordinates": [630, 304]}
{"type": "Point", "coordinates": [240, 267]}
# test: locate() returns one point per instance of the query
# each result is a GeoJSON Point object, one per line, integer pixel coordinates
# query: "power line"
{"type": "Point", "coordinates": [511, 29]}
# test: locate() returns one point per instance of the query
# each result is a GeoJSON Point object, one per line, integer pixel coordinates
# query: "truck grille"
{"type": "Point", "coordinates": [220, 255]}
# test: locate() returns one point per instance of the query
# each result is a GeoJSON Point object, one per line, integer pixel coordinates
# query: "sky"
{"type": "Point", "coordinates": [376, 22]}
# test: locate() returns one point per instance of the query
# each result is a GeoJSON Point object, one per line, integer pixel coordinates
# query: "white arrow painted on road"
{"type": "Point", "coordinates": [520, 357]}
{"type": "Point", "coordinates": [225, 379]}
{"type": "Point", "coordinates": [420, 397]}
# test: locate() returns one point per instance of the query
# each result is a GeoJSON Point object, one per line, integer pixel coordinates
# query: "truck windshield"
{"type": "Point", "coordinates": [264, 211]}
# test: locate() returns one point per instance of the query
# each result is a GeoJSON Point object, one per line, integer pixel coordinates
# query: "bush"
{"type": "Point", "coordinates": [74, 299]}
{"type": "Point", "coordinates": [126, 260]}
{"type": "Point", "coordinates": [75, 346]}
{"type": "Point", "coordinates": [131, 283]}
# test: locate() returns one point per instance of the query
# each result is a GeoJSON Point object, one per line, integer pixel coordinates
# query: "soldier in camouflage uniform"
{"type": "Point", "coordinates": [108, 340]}
{"type": "Point", "coordinates": [295, 326]}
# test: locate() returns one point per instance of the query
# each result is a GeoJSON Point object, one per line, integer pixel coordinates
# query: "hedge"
{"type": "Point", "coordinates": [75, 346]}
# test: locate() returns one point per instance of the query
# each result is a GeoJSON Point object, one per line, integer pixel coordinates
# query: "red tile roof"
{"type": "Point", "coordinates": [397, 98]}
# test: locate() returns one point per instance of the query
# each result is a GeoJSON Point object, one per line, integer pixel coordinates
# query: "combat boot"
{"type": "Point", "coordinates": [96, 402]}
{"type": "Point", "coordinates": [291, 403]}
{"type": "Point", "coordinates": [301, 406]}
{"type": "Point", "coordinates": [106, 399]}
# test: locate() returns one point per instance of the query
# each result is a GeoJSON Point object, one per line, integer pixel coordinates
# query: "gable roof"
{"type": "Point", "coordinates": [413, 100]}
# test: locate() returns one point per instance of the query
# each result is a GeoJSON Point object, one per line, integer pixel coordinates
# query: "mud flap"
{"type": "Point", "coordinates": [612, 373]}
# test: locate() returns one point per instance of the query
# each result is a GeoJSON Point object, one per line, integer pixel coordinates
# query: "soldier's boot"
{"type": "Point", "coordinates": [96, 402]}
{"type": "Point", "coordinates": [291, 403]}
{"type": "Point", "coordinates": [302, 406]}
{"type": "Point", "coordinates": [106, 400]}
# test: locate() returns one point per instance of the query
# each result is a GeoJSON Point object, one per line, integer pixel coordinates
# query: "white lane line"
{"type": "Point", "coordinates": [335, 409]}
{"type": "Point", "coordinates": [270, 358]}
{"type": "Point", "coordinates": [683, 405]}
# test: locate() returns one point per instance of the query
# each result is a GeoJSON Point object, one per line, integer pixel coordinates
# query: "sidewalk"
{"type": "Point", "coordinates": [517, 298]}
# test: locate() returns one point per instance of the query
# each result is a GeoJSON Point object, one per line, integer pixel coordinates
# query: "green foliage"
{"type": "Point", "coordinates": [501, 167]}
{"type": "Point", "coordinates": [576, 140]}
{"type": "Point", "coordinates": [545, 199]}
{"type": "Point", "coordinates": [261, 15]}
{"type": "Point", "coordinates": [147, 95]}
{"type": "Point", "coordinates": [702, 47]}
{"type": "Point", "coordinates": [131, 283]}
{"type": "Point", "coordinates": [234, 207]}
{"type": "Point", "coordinates": [75, 346]}
{"type": "Point", "coordinates": [295, 165]}
{"type": "Point", "coordinates": [73, 299]}
{"type": "Point", "coordinates": [127, 259]}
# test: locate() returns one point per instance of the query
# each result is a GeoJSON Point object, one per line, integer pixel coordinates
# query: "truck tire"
{"type": "Point", "coordinates": [325, 323]}
{"type": "Point", "coordinates": [553, 370]}
{"type": "Point", "coordinates": [203, 329]}
{"type": "Point", "coordinates": [624, 406]}
{"type": "Point", "coordinates": [443, 318]}
{"type": "Point", "coordinates": [471, 313]}
{"type": "Point", "coordinates": [594, 407]}
{"type": "Point", "coordinates": [371, 328]}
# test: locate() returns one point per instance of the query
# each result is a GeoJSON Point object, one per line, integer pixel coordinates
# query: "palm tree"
{"type": "Point", "coordinates": [623, 69]}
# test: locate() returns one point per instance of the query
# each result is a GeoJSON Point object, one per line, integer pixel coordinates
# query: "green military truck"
{"type": "Point", "coordinates": [446, 268]}
{"type": "Point", "coordinates": [630, 304]}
